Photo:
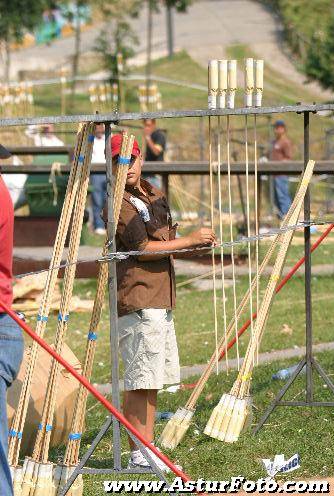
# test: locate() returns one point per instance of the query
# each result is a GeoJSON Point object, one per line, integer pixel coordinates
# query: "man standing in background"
{"type": "Point", "coordinates": [155, 148]}
{"type": "Point", "coordinates": [281, 150]}
{"type": "Point", "coordinates": [11, 340]}
{"type": "Point", "coordinates": [98, 181]}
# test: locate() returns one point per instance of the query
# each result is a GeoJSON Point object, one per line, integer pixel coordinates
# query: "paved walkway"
{"type": "Point", "coordinates": [192, 269]}
{"type": "Point", "coordinates": [207, 28]}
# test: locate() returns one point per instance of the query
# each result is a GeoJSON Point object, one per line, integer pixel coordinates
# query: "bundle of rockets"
{"type": "Point", "coordinates": [222, 83]}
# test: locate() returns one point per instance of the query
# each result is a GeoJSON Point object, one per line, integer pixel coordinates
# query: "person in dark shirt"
{"type": "Point", "coordinates": [155, 148]}
{"type": "Point", "coordinates": [155, 141]}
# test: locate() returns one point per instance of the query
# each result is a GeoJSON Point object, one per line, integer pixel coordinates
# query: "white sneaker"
{"type": "Point", "coordinates": [137, 460]}
{"type": "Point", "coordinates": [100, 231]}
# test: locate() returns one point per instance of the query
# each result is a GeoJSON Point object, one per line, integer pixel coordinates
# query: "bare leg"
{"type": "Point", "coordinates": [135, 411]}
{"type": "Point", "coordinates": [151, 409]}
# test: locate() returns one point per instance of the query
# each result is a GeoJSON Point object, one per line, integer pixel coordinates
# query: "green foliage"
{"type": "Point", "coordinates": [179, 5]}
{"type": "Point", "coordinates": [18, 16]}
{"type": "Point", "coordinates": [320, 56]}
{"type": "Point", "coordinates": [120, 39]}
{"type": "Point", "coordinates": [118, 36]}
{"type": "Point", "coordinates": [309, 30]}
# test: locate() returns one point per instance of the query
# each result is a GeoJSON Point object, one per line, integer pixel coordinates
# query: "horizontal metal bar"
{"type": "Point", "coordinates": [116, 117]}
{"type": "Point", "coordinates": [305, 403]}
{"type": "Point", "coordinates": [40, 150]}
{"type": "Point", "coordinates": [292, 167]}
{"type": "Point", "coordinates": [106, 471]}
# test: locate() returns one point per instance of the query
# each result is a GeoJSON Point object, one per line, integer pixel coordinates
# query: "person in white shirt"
{"type": "Point", "coordinates": [98, 181]}
{"type": "Point", "coordinates": [46, 137]}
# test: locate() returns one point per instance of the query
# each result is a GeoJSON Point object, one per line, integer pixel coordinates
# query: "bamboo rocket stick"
{"type": "Point", "coordinates": [232, 82]}
{"type": "Point", "coordinates": [212, 84]}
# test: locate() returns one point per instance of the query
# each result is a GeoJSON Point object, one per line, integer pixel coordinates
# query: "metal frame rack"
{"type": "Point", "coordinates": [309, 361]}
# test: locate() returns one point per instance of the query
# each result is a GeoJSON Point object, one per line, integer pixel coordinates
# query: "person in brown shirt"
{"type": "Point", "coordinates": [281, 150]}
{"type": "Point", "coordinates": [146, 297]}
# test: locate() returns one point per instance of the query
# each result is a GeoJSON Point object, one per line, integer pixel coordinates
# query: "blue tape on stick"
{"type": "Point", "coordinates": [81, 159]}
{"type": "Point", "coordinates": [42, 318]}
{"type": "Point", "coordinates": [19, 435]}
{"type": "Point", "coordinates": [123, 161]}
{"type": "Point", "coordinates": [91, 138]}
{"type": "Point", "coordinates": [92, 336]}
{"type": "Point", "coordinates": [48, 427]}
{"type": "Point", "coordinates": [74, 436]}
{"type": "Point", "coordinates": [62, 318]}
{"type": "Point", "coordinates": [12, 433]}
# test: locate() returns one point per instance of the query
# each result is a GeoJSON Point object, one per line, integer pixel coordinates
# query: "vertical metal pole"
{"type": "Point", "coordinates": [165, 184]}
{"type": "Point", "coordinates": [307, 248]}
{"type": "Point", "coordinates": [112, 288]}
{"type": "Point", "coordinates": [201, 157]}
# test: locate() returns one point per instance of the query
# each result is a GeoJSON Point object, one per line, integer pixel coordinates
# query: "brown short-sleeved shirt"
{"type": "Point", "coordinates": [281, 149]}
{"type": "Point", "coordinates": [144, 284]}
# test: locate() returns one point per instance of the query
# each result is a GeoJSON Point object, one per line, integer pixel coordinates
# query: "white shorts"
{"type": "Point", "coordinates": [149, 350]}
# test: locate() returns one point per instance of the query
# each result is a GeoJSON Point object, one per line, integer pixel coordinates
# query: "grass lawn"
{"type": "Point", "coordinates": [288, 430]}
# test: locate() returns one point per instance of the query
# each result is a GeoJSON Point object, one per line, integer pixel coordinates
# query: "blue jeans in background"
{"type": "Point", "coordinates": [11, 353]}
{"type": "Point", "coordinates": [282, 195]}
{"type": "Point", "coordinates": [153, 179]}
{"type": "Point", "coordinates": [99, 196]}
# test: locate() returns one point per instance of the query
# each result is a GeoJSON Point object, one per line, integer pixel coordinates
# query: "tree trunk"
{"type": "Point", "coordinates": [170, 30]}
{"type": "Point", "coordinates": [7, 61]}
{"type": "Point", "coordinates": [149, 44]}
{"type": "Point", "coordinates": [76, 56]}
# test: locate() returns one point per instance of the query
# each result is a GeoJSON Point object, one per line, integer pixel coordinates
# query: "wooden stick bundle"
{"type": "Point", "coordinates": [19, 419]}
{"type": "Point", "coordinates": [178, 425]}
{"type": "Point", "coordinates": [37, 471]}
{"type": "Point", "coordinates": [229, 416]}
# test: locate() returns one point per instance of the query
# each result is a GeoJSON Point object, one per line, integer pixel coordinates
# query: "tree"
{"type": "Point", "coordinates": [117, 36]}
{"type": "Point", "coordinates": [179, 6]}
{"type": "Point", "coordinates": [171, 5]}
{"type": "Point", "coordinates": [17, 17]}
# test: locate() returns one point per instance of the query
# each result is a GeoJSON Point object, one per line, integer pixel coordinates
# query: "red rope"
{"type": "Point", "coordinates": [278, 289]}
{"type": "Point", "coordinates": [280, 285]}
{"type": "Point", "coordinates": [94, 392]}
